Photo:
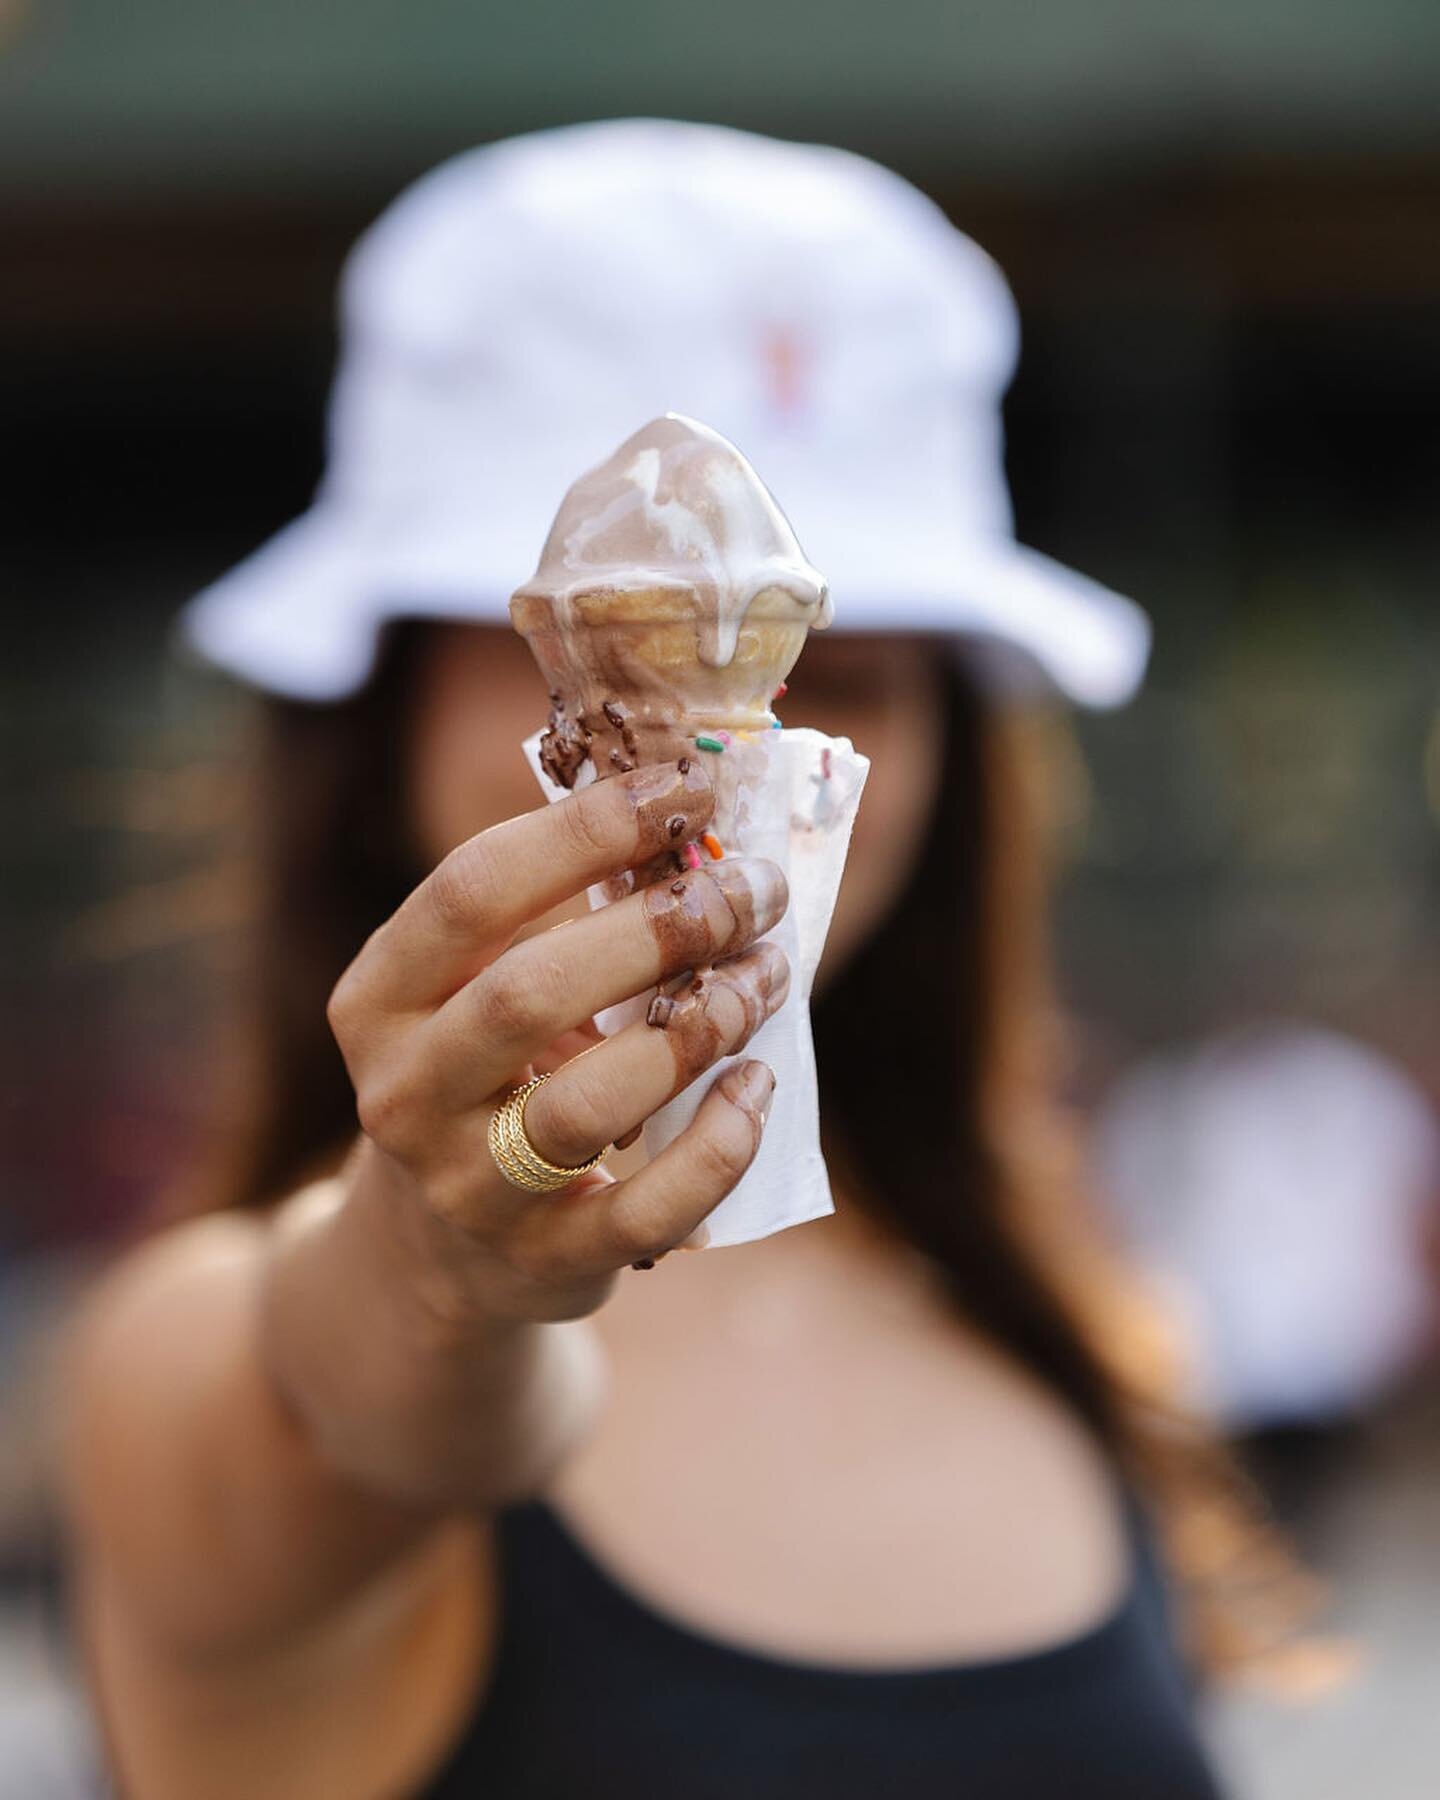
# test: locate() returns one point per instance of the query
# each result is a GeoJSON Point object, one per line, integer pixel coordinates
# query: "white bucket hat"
{"type": "Point", "coordinates": [522, 308]}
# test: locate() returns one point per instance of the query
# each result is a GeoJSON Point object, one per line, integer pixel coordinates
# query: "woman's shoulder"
{"type": "Point", "coordinates": [188, 1674]}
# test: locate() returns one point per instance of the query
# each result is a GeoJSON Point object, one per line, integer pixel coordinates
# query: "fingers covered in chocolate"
{"type": "Point", "coordinates": [672, 800]}
{"type": "Point", "coordinates": [664, 1205]}
{"type": "Point", "coordinates": [547, 985]}
{"type": "Point", "coordinates": [714, 909]}
{"type": "Point", "coordinates": [700, 1020]}
{"type": "Point", "coordinates": [474, 902]}
{"type": "Point", "coordinates": [603, 1095]}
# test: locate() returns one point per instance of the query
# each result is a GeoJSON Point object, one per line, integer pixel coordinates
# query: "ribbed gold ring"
{"type": "Point", "coordinates": [516, 1157]}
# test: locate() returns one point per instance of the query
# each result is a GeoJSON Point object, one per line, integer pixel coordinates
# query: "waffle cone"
{"type": "Point", "coordinates": [636, 657]}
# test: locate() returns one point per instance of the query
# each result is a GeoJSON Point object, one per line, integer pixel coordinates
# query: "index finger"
{"type": "Point", "coordinates": [469, 908]}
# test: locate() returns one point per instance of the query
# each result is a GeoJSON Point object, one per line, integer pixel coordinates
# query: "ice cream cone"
{"type": "Point", "coordinates": [670, 603]}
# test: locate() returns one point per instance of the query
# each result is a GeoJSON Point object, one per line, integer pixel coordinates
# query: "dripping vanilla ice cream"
{"type": "Point", "coordinates": [671, 600]}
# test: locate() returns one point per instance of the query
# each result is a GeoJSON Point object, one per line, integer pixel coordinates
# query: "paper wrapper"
{"type": "Point", "coordinates": [795, 814]}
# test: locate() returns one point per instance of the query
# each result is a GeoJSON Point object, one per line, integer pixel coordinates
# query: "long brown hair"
{"type": "Point", "coordinates": [943, 1016]}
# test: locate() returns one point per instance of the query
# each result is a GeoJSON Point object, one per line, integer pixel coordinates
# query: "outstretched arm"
{"type": "Point", "coordinates": [274, 1416]}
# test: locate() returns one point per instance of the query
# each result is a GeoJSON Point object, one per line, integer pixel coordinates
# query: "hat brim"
{"type": "Point", "coordinates": [295, 617]}
{"type": "Point", "coordinates": [301, 617]}
{"type": "Point", "coordinates": [1086, 641]}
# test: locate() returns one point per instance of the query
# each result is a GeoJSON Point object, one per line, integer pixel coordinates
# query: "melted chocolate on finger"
{"type": "Point", "coordinates": [696, 1036]}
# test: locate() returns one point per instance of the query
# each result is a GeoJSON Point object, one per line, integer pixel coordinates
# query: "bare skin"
{"type": "Point", "coordinates": [289, 1434]}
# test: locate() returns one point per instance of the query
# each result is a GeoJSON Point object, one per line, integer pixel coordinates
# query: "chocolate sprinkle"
{"type": "Point", "coordinates": [677, 887]}
{"type": "Point", "coordinates": [661, 1008]}
{"type": "Point", "coordinates": [645, 1262]}
{"type": "Point", "coordinates": [614, 712]}
{"type": "Point", "coordinates": [563, 748]}
{"type": "Point", "coordinates": [684, 765]}
{"type": "Point", "coordinates": [675, 824]}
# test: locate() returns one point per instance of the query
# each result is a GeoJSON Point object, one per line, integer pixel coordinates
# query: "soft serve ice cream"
{"type": "Point", "coordinates": [671, 599]}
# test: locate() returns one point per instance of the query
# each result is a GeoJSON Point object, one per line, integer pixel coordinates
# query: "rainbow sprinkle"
{"type": "Point", "coordinates": [708, 743]}
{"type": "Point", "coordinates": [692, 856]}
{"type": "Point", "coordinates": [775, 725]}
{"type": "Point", "coordinates": [782, 690]}
{"type": "Point", "coordinates": [712, 844]}
{"type": "Point", "coordinates": [825, 763]}
{"type": "Point", "coordinates": [725, 738]}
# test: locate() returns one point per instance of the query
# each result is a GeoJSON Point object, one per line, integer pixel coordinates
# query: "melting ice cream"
{"type": "Point", "coordinates": [671, 598]}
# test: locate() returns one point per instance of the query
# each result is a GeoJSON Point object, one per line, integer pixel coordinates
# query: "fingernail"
{"type": "Point", "coordinates": [774, 976]}
{"type": "Point", "coordinates": [756, 890]}
{"type": "Point", "coordinates": [763, 975]}
{"type": "Point", "coordinates": [757, 1084]}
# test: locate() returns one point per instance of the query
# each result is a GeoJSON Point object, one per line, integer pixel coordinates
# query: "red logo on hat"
{"type": "Point", "coordinates": [785, 356]}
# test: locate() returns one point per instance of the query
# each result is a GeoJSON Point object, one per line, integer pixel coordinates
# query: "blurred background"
{"type": "Point", "coordinates": [1222, 225]}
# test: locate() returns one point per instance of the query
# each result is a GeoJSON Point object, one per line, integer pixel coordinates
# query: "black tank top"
{"type": "Point", "coordinates": [596, 1696]}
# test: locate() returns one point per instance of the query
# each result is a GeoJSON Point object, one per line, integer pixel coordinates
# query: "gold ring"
{"type": "Point", "coordinates": [516, 1157]}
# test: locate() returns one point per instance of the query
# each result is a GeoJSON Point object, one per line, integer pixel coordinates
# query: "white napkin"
{"type": "Point", "coordinates": [799, 814]}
